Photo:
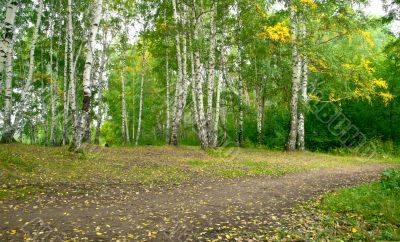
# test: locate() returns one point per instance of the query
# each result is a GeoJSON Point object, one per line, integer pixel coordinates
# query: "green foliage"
{"type": "Point", "coordinates": [391, 180]}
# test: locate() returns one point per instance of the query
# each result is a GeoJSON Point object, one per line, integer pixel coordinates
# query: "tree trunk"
{"type": "Point", "coordinates": [141, 95]}
{"type": "Point", "coordinates": [179, 81]}
{"type": "Point", "coordinates": [201, 125]}
{"type": "Point", "coordinates": [260, 105]}
{"type": "Point", "coordinates": [124, 116]}
{"type": "Point", "coordinates": [7, 38]}
{"type": "Point", "coordinates": [26, 92]}
{"type": "Point", "coordinates": [65, 96]}
{"type": "Point", "coordinates": [167, 100]}
{"type": "Point", "coordinates": [296, 72]}
{"type": "Point", "coordinates": [211, 75]}
{"type": "Point", "coordinates": [304, 98]}
{"type": "Point", "coordinates": [43, 102]}
{"type": "Point", "coordinates": [8, 129]}
{"type": "Point", "coordinates": [240, 81]}
{"type": "Point", "coordinates": [218, 102]}
{"type": "Point", "coordinates": [53, 93]}
{"type": "Point", "coordinates": [87, 93]}
{"type": "Point", "coordinates": [72, 98]}
{"type": "Point", "coordinates": [100, 88]}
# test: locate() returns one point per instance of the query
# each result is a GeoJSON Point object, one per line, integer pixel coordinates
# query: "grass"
{"type": "Point", "coordinates": [369, 212]}
{"type": "Point", "coordinates": [34, 166]}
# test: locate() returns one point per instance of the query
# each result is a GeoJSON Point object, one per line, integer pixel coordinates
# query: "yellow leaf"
{"type": "Point", "coordinates": [13, 231]}
{"type": "Point", "coordinates": [354, 230]}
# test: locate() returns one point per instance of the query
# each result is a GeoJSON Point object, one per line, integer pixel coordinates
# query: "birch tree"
{"type": "Point", "coordinates": [124, 116]}
{"type": "Point", "coordinates": [26, 92]}
{"type": "Point", "coordinates": [143, 60]}
{"type": "Point", "coordinates": [9, 26]}
{"type": "Point", "coordinates": [239, 76]}
{"type": "Point", "coordinates": [87, 93]}
{"type": "Point", "coordinates": [303, 95]}
{"type": "Point", "coordinates": [6, 56]}
{"type": "Point", "coordinates": [100, 88]}
{"type": "Point", "coordinates": [8, 96]}
{"type": "Point", "coordinates": [65, 94]}
{"type": "Point", "coordinates": [72, 98]}
{"type": "Point", "coordinates": [179, 82]}
{"type": "Point", "coordinates": [296, 75]}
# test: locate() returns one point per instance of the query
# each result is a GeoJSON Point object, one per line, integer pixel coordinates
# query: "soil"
{"type": "Point", "coordinates": [196, 211]}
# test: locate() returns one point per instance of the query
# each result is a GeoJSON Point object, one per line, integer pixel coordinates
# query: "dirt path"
{"type": "Point", "coordinates": [197, 211]}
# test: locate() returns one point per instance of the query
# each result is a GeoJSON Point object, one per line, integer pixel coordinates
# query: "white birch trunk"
{"type": "Point", "coordinates": [304, 98]}
{"type": "Point", "coordinates": [201, 125]}
{"type": "Point", "coordinates": [100, 88]}
{"type": "Point", "coordinates": [218, 103]}
{"type": "Point", "coordinates": [8, 129]}
{"type": "Point", "coordinates": [53, 92]}
{"type": "Point", "coordinates": [167, 98]}
{"type": "Point", "coordinates": [7, 38]}
{"type": "Point", "coordinates": [179, 81]}
{"type": "Point", "coordinates": [240, 81]}
{"type": "Point", "coordinates": [26, 92]}
{"type": "Point", "coordinates": [211, 75]}
{"type": "Point", "coordinates": [65, 96]}
{"type": "Point", "coordinates": [296, 72]}
{"type": "Point", "coordinates": [87, 93]}
{"type": "Point", "coordinates": [141, 94]}
{"type": "Point", "coordinates": [124, 118]}
{"type": "Point", "coordinates": [72, 98]}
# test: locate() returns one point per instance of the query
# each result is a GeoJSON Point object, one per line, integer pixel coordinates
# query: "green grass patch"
{"type": "Point", "coordinates": [370, 212]}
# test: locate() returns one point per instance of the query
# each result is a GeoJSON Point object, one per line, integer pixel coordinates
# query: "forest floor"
{"type": "Point", "coordinates": [166, 193]}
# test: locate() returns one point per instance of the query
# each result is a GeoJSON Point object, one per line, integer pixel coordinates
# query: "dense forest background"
{"type": "Point", "coordinates": [209, 73]}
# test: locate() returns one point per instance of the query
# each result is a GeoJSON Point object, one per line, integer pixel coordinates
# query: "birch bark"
{"type": "Point", "coordinates": [304, 97]}
{"type": "Point", "coordinates": [7, 38]}
{"type": "Point", "coordinates": [179, 82]}
{"type": "Point", "coordinates": [100, 88]}
{"type": "Point", "coordinates": [87, 93]}
{"type": "Point", "coordinates": [65, 96]}
{"type": "Point", "coordinates": [8, 131]}
{"type": "Point", "coordinates": [211, 75]}
{"type": "Point", "coordinates": [72, 98]}
{"type": "Point", "coordinates": [28, 83]}
{"type": "Point", "coordinates": [296, 72]}
{"type": "Point", "coordinates": [240, 81]}
{"type": "Point", "coordinates": [201, 125]}
{"type": "Point", "coordinates": [141, 95]}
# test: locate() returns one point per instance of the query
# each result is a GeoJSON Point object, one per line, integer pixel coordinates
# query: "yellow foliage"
{"type": "Point", "coordinates": [386, 96]}
{"type": "Point", "coordinates": [366, 65]}
{"type": "Point", "coordinates": [380, 83]}
{"type": "Point", "coordinates": [312, 68]}
{"type": "Point", "coordinates": [260, 11]}
{"type": "Point", "coordinates": [163, 26]}
{"type": "Point", "coordinates": [357, 93]}
{"type": "Point", "coordinates": [309, 3]}
{"type": "Point", "coordinates": [348, 66]}
{"type": "Point", "coordinates": [276, 33]}
{"type": "Point", "coordinates": [332, 97]}
{"type": "Point", "coordinates": [313, 97]}
{"type": "Point", "coordinates": [367, 37]}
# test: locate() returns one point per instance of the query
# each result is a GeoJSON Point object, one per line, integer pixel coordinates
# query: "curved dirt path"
{"type": "Point", "coordinates": [216, 209]}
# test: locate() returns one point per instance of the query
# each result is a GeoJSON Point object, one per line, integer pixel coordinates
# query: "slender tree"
{"type": "Point", "coordinates": [26, 92]}
{"type": "Point", "coordinates": [87, 93]}
{"type": "Point", "coordinates": [296, 76]}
